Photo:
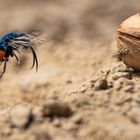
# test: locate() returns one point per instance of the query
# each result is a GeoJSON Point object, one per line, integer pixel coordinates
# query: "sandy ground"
{"type": "Point", "coordinates": [82, 91]}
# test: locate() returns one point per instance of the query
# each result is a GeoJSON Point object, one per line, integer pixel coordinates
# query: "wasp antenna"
{"type": "Point", "coordinates": [35, 60]}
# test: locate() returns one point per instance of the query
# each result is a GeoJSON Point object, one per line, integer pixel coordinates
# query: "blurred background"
{"type": "Point", "coordinates": [79, 47]}
{"type": "Point", "coordinates": [89, 19]}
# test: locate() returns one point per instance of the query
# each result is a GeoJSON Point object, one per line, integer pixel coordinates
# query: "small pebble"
{"type": "Point", "coordinates": [56, 108]}
{"type": "Point", "coordinates": [42, 135]}
{"type": "Point", "coordinates": [118, 84]}
{"type": "Point", "coordinates": [101, 84]}
{"type": "Point", "coordinates": [38, 114]}
{"type": "Point", "coordinates": [134, 115]}
{"type": "Point", "coordinates": [21, 116]}
{"type": "Point", "coordinates": [119, 68]}
{"type": "Point", "coordinates": [137, 88]}
{"type": "Point", "coordinates": [118, 75]}
{"type": "Point", "coordinates": [56, 122]}
{"type": "Point", "coordinates": [7, 131]}
{"type": "Point", "coordinates": [128, 88]}
{"type": "Point", "coordinates": [78, 119]}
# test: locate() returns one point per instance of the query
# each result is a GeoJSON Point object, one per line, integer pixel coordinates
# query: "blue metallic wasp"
{"type": "Point", "coordinates": [12, 42]}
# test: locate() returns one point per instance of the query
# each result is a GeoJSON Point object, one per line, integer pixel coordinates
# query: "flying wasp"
{"type": "Point", "coordinates": [12, 42]}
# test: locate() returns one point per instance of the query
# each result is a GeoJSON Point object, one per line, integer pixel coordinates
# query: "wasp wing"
{"type": "Point", "coordinates": [25, 40]}
{"type": "Point", "coordinates": [28, 40]}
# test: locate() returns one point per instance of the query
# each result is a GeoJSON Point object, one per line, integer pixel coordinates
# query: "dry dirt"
{"type": "Point", "coordinates": [82, 91]}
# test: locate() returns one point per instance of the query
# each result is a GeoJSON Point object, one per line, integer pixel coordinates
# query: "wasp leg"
{"type": "Point", "coordinates": [18, 51]}
{"type": "Point", "coordinates": [35, 60]}
{"type": "Point", "coordinates": [4, 67]}
{"type": "Point", "coordinates": [18, 61]}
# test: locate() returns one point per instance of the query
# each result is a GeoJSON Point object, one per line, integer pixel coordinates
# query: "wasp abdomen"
{"type": "Point", "coordinates": [2, 55]}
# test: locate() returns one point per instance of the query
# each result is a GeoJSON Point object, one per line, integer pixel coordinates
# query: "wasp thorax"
{"type": "Point", "coordinates": [128, 41]}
